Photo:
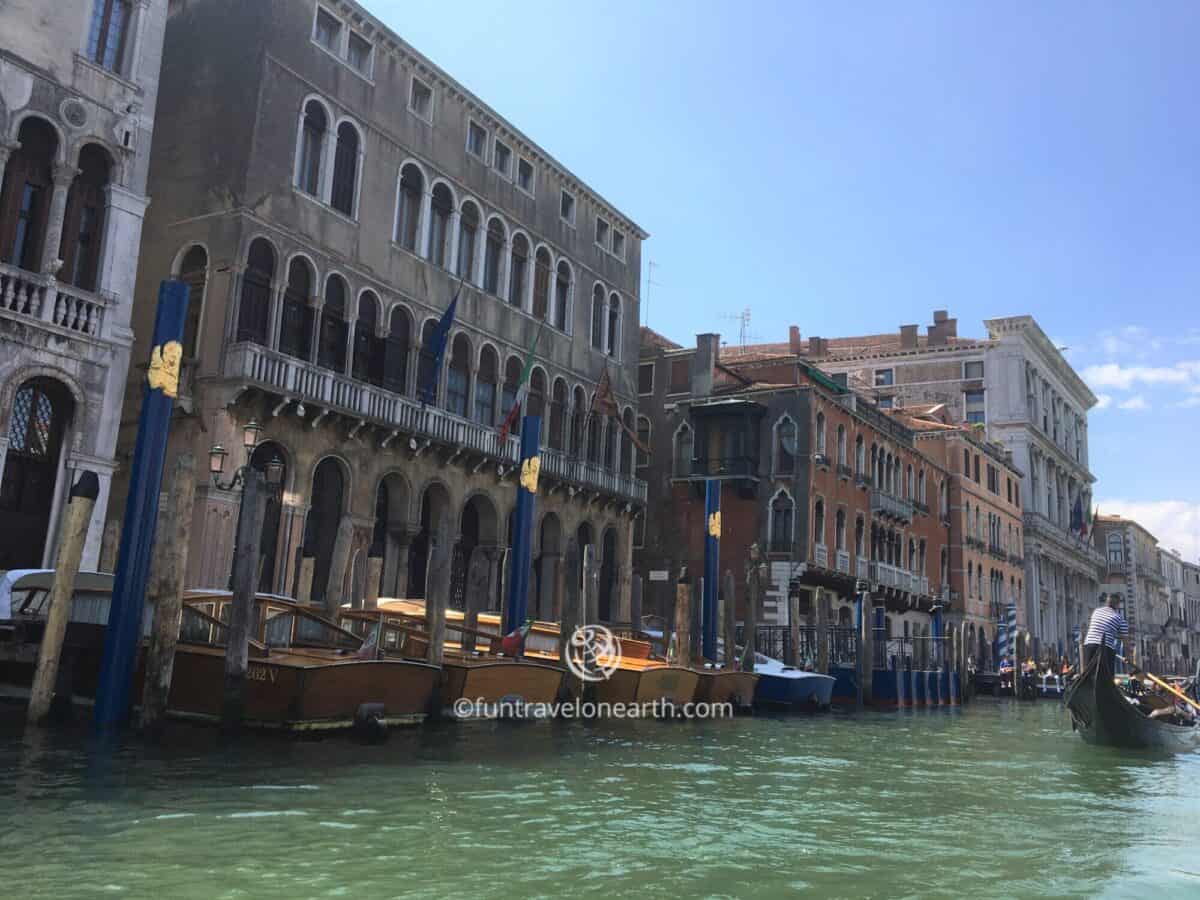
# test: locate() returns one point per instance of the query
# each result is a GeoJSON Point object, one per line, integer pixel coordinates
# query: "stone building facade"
{"type": "Point", "coordinates": [1017, 385]}
{"type": "Point", "coordinates": [986, 546]}
{"type": "Point", "coordinates": [1133, 570]}
{"type": "Point", "coordinates": [833, 490]}
{"type": "Point", "coordinates": [331, 188]}
{"type": "Point", "coordinates": [1191, 600]}
{"type": "Point", "coordinates": [78, 87]}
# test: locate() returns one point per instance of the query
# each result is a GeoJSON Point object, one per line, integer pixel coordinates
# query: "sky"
{"type": "Point", "coordinates": [851, 168]}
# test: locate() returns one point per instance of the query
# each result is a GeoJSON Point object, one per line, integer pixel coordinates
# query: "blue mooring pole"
{"type": "Point", "coordinates": [124, 630]}
{"type": "Point", "coordinates": [712, 567]}
{"type": "Point", "coordinates": [522, 546]}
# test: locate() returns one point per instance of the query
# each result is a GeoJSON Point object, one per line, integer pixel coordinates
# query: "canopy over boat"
{"type": "Point", "coordinates": [1103, 714]}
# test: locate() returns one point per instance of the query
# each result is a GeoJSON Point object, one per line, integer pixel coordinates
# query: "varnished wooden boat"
{"type": "Point", "coordinates": [1103, 714]}
{"type": "Point", "coordinates": [304, 671]}
{"type": "Point", "coordinates": [726, 686]}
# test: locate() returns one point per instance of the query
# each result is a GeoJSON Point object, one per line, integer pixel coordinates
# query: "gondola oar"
{"type": "Point", "coordinates": [1162, 684]}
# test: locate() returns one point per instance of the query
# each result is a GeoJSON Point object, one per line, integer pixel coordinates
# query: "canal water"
{"type": "Point", "coordinates": [998, 799]}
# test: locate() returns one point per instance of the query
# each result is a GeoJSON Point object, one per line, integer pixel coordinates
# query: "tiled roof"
{"type": "Point", "coordinates": [861, 345]}
{"type": "Point", "coordinates": [651, 338]}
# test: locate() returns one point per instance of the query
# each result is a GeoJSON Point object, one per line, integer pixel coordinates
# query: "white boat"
{"type": "Point", "coordinates": [781, 685]}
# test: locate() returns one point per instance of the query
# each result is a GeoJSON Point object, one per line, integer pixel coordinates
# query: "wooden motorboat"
{"type": "Point", "coordinates": [480, 674]}
{"type": "Point", "coordinates": [304, 672]}
{"type": "Point", "coordinates": [726, 686]}
{"type": "Point", "coordinates": [786, 686]}
{"type": "Point", "coordinates": [1104, 714]}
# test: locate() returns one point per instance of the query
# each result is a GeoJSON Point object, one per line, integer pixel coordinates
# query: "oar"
{"type": "Point", "coordinates": [1162, 684]}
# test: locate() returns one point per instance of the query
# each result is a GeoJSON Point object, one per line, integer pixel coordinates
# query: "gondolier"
{"type": "Point", "coordinates": [1107, 625]}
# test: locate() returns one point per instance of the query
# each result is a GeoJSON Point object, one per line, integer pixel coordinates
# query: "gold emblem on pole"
{"type": "Point", "coordinates": [714, 524]}
{"type": "Point", "coordinates": [530, 469]}
{"type": "Point", "coordinates": [164, 368]}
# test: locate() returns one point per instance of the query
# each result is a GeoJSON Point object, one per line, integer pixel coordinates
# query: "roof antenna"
{"type": "Point", "coordinates": [646, 299]}
{"type": "Point", "coordinates": [743, 320]}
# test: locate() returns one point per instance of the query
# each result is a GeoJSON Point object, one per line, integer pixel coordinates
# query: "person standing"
{"type": "Point", "coordinates": [1106, 626]}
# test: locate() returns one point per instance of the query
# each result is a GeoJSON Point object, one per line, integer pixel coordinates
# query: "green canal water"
{"type": "Point", "coordinates": [995, 800]}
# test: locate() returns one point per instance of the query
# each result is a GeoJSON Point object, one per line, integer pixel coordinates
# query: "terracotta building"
{"type": "Point", "coordinates": [834, 489]}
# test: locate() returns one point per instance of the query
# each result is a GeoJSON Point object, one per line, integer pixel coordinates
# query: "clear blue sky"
{"type": "Point", "coordinates": [851, 169]}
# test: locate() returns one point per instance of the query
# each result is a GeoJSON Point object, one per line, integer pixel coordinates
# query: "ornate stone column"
{"type": "Point", "coordinates": [495, 557]}
{"type": "Point", "coordinates": [423, 235]}
{"type": "Point", "coordinates": [452, 249]}
{"type": "Point", "coordinates": [63, 177]}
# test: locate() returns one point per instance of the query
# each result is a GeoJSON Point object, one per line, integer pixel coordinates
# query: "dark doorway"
{"type": "Point", "coordinates": [608, 576]}
{"type": "Point", "coordinates": [42, 412]}
{"type": "Point", "coordinates": [320, 530]}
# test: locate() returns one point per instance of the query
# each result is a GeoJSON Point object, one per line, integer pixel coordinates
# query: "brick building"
{"type": "Point", "coordinates": [833, 489]}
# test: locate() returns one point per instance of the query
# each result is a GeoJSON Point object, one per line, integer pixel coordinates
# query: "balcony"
{"type": "Point", "coordinates": [299, 380]}
{"type": "Point", "coordinates": [725, 467]}
{"type": "Point", "coordinates": [862, 569]}
{"type": "Point", "coordinates": [920, 507]}
{"type": "Point", "coordinates": [862, 481]}
{"type": "Point", "coordinates": [890, 506]}
{"type": "Point", "coordinates": [821, 555]}
{"type": "Point", "coordinates": [843, 562]}
{"type": "Point", "coordinates": [997, 551]}
{"type": "Point", "coordinates": [32, 298]}
{"type": "Point", "coordinates": [1038, 526]}
{"type": "Point", "coordinates": [844, 471]}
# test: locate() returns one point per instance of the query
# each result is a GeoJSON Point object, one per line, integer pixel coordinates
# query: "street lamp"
{"type": "Point", "coordinates": [217, 454]}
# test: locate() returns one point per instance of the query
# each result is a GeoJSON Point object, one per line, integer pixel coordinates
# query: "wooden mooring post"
{"type": "Point", "coordinates": [754, 575]}
{"type": "Point", "coordinates": [170, 561]}
{"type": "Point", "coordinates": [823, 612]}
{"type": "Point", "coordinates": [58, 612]}
{"type": "Point", "coordinates": [572, 585]}
{"type": "Point", "coordinates": [683, 620]}
{"type": "Point", "coordinates": [241, 617]}
{"type": "Point", "coordinates": [729, 622]}
{"type": "Point", "coordinates": [437, 592]}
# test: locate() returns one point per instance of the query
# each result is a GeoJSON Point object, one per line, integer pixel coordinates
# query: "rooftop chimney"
{"type": "Point", "coordinates": [708, 354]}
{"type": "Point", "coordinates": [940, 316]}
{"type": "Point", "coordinates": [794, 340]}
{"type": "Point", "coordinates": [908, 337]}
{"type": "Point", "coordinates": [816, 346]}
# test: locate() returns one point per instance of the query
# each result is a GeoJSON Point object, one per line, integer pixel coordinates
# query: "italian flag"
{"type": "Point", "coordinates": [522, 388]}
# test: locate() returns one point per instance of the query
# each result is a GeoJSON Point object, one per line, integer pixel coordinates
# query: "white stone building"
{"type": "Point", "coordinates": [78, 86]}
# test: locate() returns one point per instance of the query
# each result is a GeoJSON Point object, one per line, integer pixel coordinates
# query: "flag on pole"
{"type": "Point", "coordinates": [522, 388]}
{"type": "Point", "coordinates": [606, 404]}
{"type": "Point", "coordinates": [431, 375]}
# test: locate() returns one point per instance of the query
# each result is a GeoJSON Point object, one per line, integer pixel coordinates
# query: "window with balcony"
{"type": "Point", "coordinates": [518, 267]}
{"type": "Point", "coordinates": [562, 295]}
{"type": "Point", "coordinates": [819, 521]}
{"type": "Point", "coordinates": [860, 456]}
{"type": "Point", "coordinates": [107, 33]}
{"type": "Point", "coordinates": [295, 325]}
{"type": "Point", "coordinates": [558, 416]}
{"type": "Point", "coordinates": [860, 532]}
{"type": "Point", "coordinates": [369, 361]}
{"type": "Point", "coordinates": [193, 271]}
{"type": "Point", "coordinates": [1116, 550]}
{"type": "Point", "coordinates": [331, 343]}
{"type": "Point", "coordinates": [83, 222]}
{"type": "Point", "coordinates": [508, 391]}
{"type": "Point", "coordinates": [820, 434]}
{"type": "Point", "coordinates": [493, 256]}
{"type": "Point", "coordinates": [541, 283]}
{"type": "Point", "coordinates": [782, 512]}
{"type": "Point", "coordinates": [535, 399]}
{"type": "Point", "coordinates": [458, 376]}
{"type": "Point", "coordinates": [468, 234]}
{"type": "Point", "coordinates": [398, 341]}
{"type": "Point", "coordinates": [441, 208]}
{"type": "Point", "coordinates": [578, 415]}
{"type": "Point", "coordinates": [885, 402]}
{"type": "Point", "coordinates": [839, 532]}
{"type": "Point", "coordinates": [841, 445]}
{"type": "Point", "coordinates": [254, 307]}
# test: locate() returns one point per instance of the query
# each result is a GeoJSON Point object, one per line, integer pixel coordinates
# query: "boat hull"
{"type": "Point", "coordinates": [797, 690]}
{"type": "Point", "coordinates": [1102, 715]}
{"type": "Point", "coordinates": [496, 681]}
{"type": "Point", "coordinates": [734, 688]}
{"type": "Point", "coordinates": [670, 684]}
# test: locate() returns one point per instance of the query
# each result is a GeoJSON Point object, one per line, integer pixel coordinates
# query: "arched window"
{"type": "Point", "coordinates": [908, 484]}
{"type": "Point", "coordinates": [921, 486]}
{"type": "Point", "coordinates": [912, 555]}
{"type": "Point", "coordinates": [558, 416]}
{"type": "Point", "coordinates": [785, 446]}
{"type": "Point", "coordinates": [508, 394]}
{"type": "Point", "coordinates": [345, 170]}
{"type": "Point", "coordinates": [562, 296]}
{"type": "Point", "coordinates": [427, 383]}
{"type": "Point", "coordinates": [541, 283]}
{"type": "Point", "coordinates": [458, 376]}
{"type": "Point", "coordinates": [819, 521]}
{"type": "Point", "coordinates": [518, 265]}
{"type": "Point", "coordinates": [627, 452]}
{"type": "Point", "coordinates": [399, 339]}
{"type": "Point", "coordinates": [578, 415]}
{"type": "Point", "coordinates": [944, 499]}
{"type": "Point", "coordinates": [643, 433]}
{"type": "Point", "coordinates": [821, 433]}
{"type": "Point", "coordinates": [595, 439]}
{"type": "Point", "coordinates": [369, 357]}
{"type": "Point", "coordinates": [1116, 549]}
{"type": "Point", "coordinates": [485, 386]}
{"type": "Point", "coordinates": [970, 578]}
{"type": "Point", "coordinates": [841, 445]}
{"type": "Point", "coordinates": [859, 535]}
{"type": "Point", "coordinates": [83, 223]}
{"type": "Point", "coordinates": [944, 566]}
{"type": "Point", "coordinates": [468, 234]}
{"type": "Point", "coordinates": [193, 271]}
{"type": "Point", "coordinates": [598, 317]}
{"type": "Point", "coordinates": [28, 183]}
{"type": "Point", "coordinates": [610, 444]}
{"type": "Point", "coordinates": [840, 529]}
{"type": "Point", "coordinates": [493, 257]}
{"type": "Point", "coordinates": [683, 451]}
{"type": "Point", "coordinates": [614, 325]}
{"type": "Point", "coordinates": [441, 207]}
{"type": "Point", "coordinates": [859, 455]}
{"type": "Point", "coordinates": [331, 347]}
{"type": "Point", "coordinates": [254, 310]}
{"type": "Point", "coordinates": [782, 513]}
{"type": "Point", "coordinates": [312, 148]}
{"type": "Point", "coordinates": [295, 325]}
{"type": "Point", "coordinates": [408, 211]}
{"type": "Point", "coordinates": [536, 398]}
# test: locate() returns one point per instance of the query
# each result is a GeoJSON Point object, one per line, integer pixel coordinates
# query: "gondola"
{"type": "Point", "coordinates": [1103, 714]}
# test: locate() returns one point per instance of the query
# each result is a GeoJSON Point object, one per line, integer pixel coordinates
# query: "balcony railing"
{"type": "Point", "coordinates": [890, 505]}
{"type": "Point", "coordinates": [843, 562]}
{"type": "Point", "coordinates": [821, 555]}
{"type": "Point", "coordinates": [1038, 525]}
{"type": "Point", "coordinates": [861, 480]}
{"type": "Point", "coordinates": [725, 467]}
{"type": "Point", "coordinates": [862, 569]}
{"type": "Point", "coordinates": [34, 297]}
{"type": "Point", "coordinates": [310, 384]}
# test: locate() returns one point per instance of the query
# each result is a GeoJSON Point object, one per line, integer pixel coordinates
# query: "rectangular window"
{"type": "Point", "coordinates": [618, 243]}
{"type": "Point", "coordinates": [476, 140]}
{"type": "Point", "coordinates": [328, 31]}
{"type": "Point", "coordinates": [525, 175]}
{"type": "Point", "coordinates": [681, 377]}
{"type": "Point", "coordinates": [884, 377]}
{"type": "Point", "coordinates": [977, 468]}
{"type": "Point", "coordinates": [502, 159]}
{"type": "Point", "coordinates": [993, 479]}
{"type": "Point", "coordinates": [358, 54]}
{"type": "Point", "coordinates": [420, 99]}
{"type": "Point", "coordinates": [646, 378]}
{"type": "Point", "coordinates": [973, 370]}
{"type": "Point", "coordinates": [566, 208]}
{"type": "Point", "coordinates": [885, 402]}
{"type": "Point", "coordinates": [601, 232]}
{"type": "Point", "coordinates": [975, 407]}
{"type": "Point", "coordinates": [106, 34]}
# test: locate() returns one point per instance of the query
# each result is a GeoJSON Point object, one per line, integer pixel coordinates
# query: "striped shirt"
{"type": "Point", "coordinates": [1105, 627]}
